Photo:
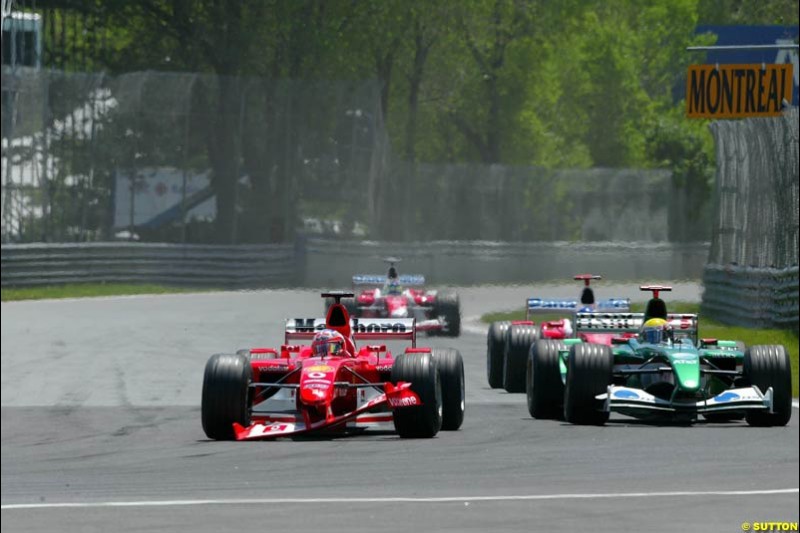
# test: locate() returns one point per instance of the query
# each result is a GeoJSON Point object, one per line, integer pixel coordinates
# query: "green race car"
{"type": "Point", "coordinates": [668, 376]}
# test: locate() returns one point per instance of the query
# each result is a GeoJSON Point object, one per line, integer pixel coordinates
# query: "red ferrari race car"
{"type": "Point", "coordinates": [395, 296]}
{"type": "Point", "coordinates": [332, 385]}
{"type": "Point", "coordinates": [508, 343]}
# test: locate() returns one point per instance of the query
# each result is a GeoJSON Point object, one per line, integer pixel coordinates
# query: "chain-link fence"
{"type": "Point", "coordinates": [506, 203]}
{"type": "Point", "coordinates": [752, 273]}
{"type": "Point", "coordinates": [191, 158]}
{"type": "Point", "coordinates": [183, 157]}
{"type": "Point", "coordinates": [756, 222]}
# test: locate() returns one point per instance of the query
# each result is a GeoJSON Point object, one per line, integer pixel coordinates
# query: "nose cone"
{"type": "Point", "coordinates": [316, 384]}
{"type": "Point", "coordinates": [687, 371]}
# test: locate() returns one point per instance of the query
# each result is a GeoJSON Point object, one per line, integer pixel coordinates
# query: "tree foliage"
{"type": "Point", "coordinates": [522, 82]}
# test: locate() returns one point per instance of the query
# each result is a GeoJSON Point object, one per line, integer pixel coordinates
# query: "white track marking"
{"type": "Point", "coordinates": [447, 499]}
{"type": "Point", "coordinates": [795, 404]}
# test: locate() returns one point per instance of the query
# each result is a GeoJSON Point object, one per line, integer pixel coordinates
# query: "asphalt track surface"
{"type": "Point", "coordinates": [101, 432]}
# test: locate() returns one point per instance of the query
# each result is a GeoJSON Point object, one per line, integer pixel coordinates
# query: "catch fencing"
{"type": "Point", "coordinates": [332, 263]}
{"type": "Point", "coordinates": [183, 157]}
{"type": "Point", "coordinates": [198, 158]}
{"type": "Point", "coordinates": [752, 272]}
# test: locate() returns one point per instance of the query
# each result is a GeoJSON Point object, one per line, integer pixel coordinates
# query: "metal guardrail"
{"type": "Point", "coordinates": [173, 264]}
{"type": "Point", "coordinates": [316, 262]}
{"type": "Point", "coordinates": [760, 297]}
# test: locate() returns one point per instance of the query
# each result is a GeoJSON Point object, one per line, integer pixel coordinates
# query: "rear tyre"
{"type": "Point", "coordinates": [351, 306]}
{"type": "Point", "coordinates": [451, 371]}
{"type": "Point", "coordinates": [225, 398]}
{"type": "Point", "coordinates": [448, 306]}
{"type": "Point", "coordinates": [588, 374]}
{"type": "Point", "coordinates": [519, 339]}
{"type": "Point", "coordinates": [543, 384]}
{"type": "Point", "coordinates": [495, 353]}
{"type": "Point", "coordinates": [765, 367]}
{"type": "Point", "coordinates": [421, 421]}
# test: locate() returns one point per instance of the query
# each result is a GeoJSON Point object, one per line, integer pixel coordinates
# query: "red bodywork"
{"type": "Point", "coordinates": [562, 329]}
{"type": "Point", "coordinates": [295, 392]}
{"type": "Point", "coordinates": [412, 296]}
{"type": "Point", "coordinates": [412, 303]}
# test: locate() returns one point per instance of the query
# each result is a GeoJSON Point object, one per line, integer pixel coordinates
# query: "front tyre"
{"type": "Point", "coordinates": [421, 421]}
{"type": "Point", "coordinates": [451, 371]}
{"type": "Point", "coordinates": [589, 373]}
{"type": "Point", "coordinates": [543, 385]}
{"type": "Point", "coordinates": [225, 399]}
{"type": "Point", "coordinates": [769, 366]}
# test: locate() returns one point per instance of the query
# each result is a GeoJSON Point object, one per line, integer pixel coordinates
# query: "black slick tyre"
{"type": "Point", "coordinates": [351, 306]}
{"type": "Point", "coordinates": [421, 421]}
{"type": "Point", "coordinates": [495, 352]}
{"type": "Point", "coordinates": [589, 371]}
{"type": "Point", "coordinates": [769, 366]}
{"type": "Point", "coordinates": [448, 306]}
{"type": "Point", "coordinates": [451, 371]}
{"type": "Point", "coordinates": [519, 339]}
{"type": "Point", "coordinates": [543, 385]}
{"type": "Point", "coordinates": [226, 384]}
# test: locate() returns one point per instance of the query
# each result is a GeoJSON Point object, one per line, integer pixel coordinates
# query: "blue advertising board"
{"type": "Point", "coordinates": [750, 35]}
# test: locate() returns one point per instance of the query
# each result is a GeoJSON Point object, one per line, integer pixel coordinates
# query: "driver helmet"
{"type": "Point", "coordinates": [328, 342]}
{"type": "Point", "coordinates": [656, 331]}
{"type": "Point", "coordinates": [393, 287]}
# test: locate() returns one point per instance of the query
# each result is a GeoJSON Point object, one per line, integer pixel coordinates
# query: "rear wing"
{"type": "Point", "coordinates": [380, 279]}
{"type": "Point", "coordinates": [366, 329]}
{"type": "Point", "coordinates": [539, 306]}
{"type": "Point", "coordinates": [683, 324]}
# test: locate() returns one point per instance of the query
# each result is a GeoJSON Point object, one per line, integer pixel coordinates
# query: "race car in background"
{"type": "Point", "coordinates": [671, 375]}
{"type": "Point", "coordinates": [508, 343]}
{"type": "Point", "coordinates": [264, 393]}
{"type": "Point", "coordinates": [401, 296]}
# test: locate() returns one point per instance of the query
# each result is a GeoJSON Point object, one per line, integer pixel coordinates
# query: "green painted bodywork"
{"type": "Point", "coordinates": [683, 357]}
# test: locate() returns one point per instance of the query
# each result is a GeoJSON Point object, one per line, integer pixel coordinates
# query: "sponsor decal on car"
{"type": "Point", "coordinates": [321, 386]}
{"type": "Point", "coordinates": [626, 394]}
{"type": "Point", "coordinates": [726, 397]}
{"type": "Point", "coordinates": [378, 327]}
{"type": "Point", "coordinates": [319, 368]}
{"type": "Point", "coordinates": [403, 401]}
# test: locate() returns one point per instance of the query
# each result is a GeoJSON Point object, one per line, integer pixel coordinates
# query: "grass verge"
{"type": "Point", "coordinates": [88, 290]}
{"type": "Point", "coordinates": [708, 328]}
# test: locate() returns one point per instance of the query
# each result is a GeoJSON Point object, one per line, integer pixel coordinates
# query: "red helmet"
{"type": "Point", "coordinates": [328, 342]}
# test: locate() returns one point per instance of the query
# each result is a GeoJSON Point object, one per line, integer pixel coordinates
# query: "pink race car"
{"type": "Point", "coordinates": [401, 296]}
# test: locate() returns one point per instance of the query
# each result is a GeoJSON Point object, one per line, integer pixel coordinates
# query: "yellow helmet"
{"type": "Point", "coordinates": [655, 331]}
